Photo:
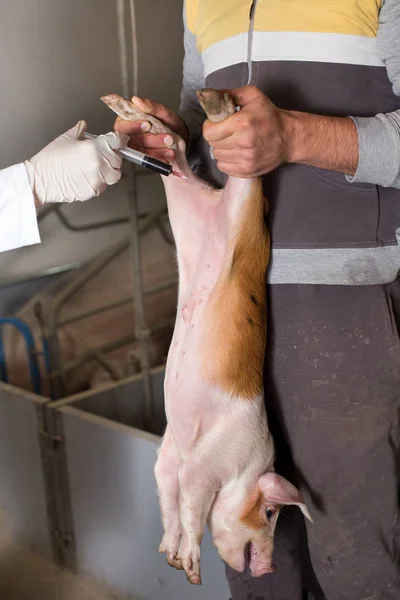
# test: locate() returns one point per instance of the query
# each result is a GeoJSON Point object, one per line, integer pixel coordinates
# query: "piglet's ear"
{"type": "Point", "coordinates": [278, 490]}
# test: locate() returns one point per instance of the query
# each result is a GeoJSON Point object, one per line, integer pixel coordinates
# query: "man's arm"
{"type": "Point", "coordinates": [325, 142]}
{"type": "Point", "coordinates": [379, 136]}
{"type": "Point", "coordinates": [261, 137]}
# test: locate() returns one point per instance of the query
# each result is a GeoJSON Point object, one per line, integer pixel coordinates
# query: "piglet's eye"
{"type": "Point", "coordinates": [270, 513]}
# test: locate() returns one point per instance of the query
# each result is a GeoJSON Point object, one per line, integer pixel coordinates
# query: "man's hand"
{"type": "Point", "coordinates": [251, 142]}
{"type": "Point", "coordinates": [155, 145]}
{"type": "Point", "coordinates": [260, 137]}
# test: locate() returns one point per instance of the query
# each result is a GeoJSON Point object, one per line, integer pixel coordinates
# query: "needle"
{"type": "Point", "coordinates": [196, 181]}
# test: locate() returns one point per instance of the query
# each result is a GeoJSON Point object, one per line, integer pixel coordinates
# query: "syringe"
{"type": "Point", "coordinates": [142, 160]}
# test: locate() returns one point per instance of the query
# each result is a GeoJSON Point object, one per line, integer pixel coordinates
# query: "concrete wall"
{"type": "Point", "coordinates": [56, 60]}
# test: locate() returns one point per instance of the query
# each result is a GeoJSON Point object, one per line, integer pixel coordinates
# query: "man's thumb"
{"type": "Point", "coordinates": [243, 95]}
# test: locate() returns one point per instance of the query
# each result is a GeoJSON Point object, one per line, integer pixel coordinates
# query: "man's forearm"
{"type": "Point", "coordinates": [319, 141]}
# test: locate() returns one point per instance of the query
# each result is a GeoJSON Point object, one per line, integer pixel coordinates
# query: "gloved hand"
{"type": "Point", "coordinates": [70, 169]}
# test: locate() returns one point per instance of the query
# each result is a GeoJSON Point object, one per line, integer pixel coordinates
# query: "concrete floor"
{"type": "Point", "coordinates": [25, 576]}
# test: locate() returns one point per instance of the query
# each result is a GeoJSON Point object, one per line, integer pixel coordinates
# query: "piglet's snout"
{"type": "Point", "coordinates": [262, 569]}
{"type": "Point", "coordinates": [261, 559]}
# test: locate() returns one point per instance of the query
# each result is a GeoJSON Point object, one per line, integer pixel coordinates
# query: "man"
{"type": "Point", "coordinates": [321, 121]}
{"type": "Point", "coordinates": [66, 170]}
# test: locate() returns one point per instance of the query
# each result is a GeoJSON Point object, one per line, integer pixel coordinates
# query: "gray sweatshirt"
{"type": "Point", "coordinates": [378, 136]}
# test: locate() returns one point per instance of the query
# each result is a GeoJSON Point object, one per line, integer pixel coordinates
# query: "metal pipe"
{"type": "Point", "coordinates": [39, 274]}
{"type": "Point", "coordinates": [91, 226]}
{"type": "Point", "coordinates": [93, 312]}
{"type": "Point", "coordinates": [39, 314]}
{"type": "Point", "coordinates": [115, 377]}
{"type": "Point", "coordinates": [161, 287]}
{"type": "Point", "coordinates": [117, 304]}
{"type": "Point", "coordinates": [91, 355]}
{"type": "Point", "coordinates": [123, 47]}
{"type": "Point", "coordinates": [103, 362]}
{"type": "Point", "coordinates": [110, 347]}
{"type": "Point", "coordinates": [142, 332]}
{"type": "Point", "coordinates": [26, 333]}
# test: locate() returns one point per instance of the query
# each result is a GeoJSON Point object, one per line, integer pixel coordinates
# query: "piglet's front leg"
{"type": "Point", "coordinates": [196, 497]}
{"type": "Point", "coordinates": [186, 495]}
{"type": "Point", "coordinates": [166, 473]}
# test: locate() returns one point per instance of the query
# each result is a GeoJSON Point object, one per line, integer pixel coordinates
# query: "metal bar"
{"type": "Point", "coordinates": [50, 491]}
{"type": "Point", "coordinates": [91, 226]}
{"type": "Point", "coordinates": [135, 49]}
{"type": "Point", "coordinates": [39, 274]}
{"type": "Point", "coordinates": [161, 287]}
{"type": "Point", "coordinates": [115, 377]}
{"type": "Point", "coordinates": [63, 533]}
{"type": "Point", "coordinates": [116, 304]}
{"type": "Point", "coordinates": [142, 331]}
{"type": "Point", "coordinates": [103, 362]}
{"type": "Point", "coordinates": [38, 310]}
{"type": "Point", "coordinates": [91, 354]}
{"type": "Point", "coordinates": [93, 312]}
{"type": "Point", "coordinates": [123, 47]}
{"type": "Point", "coordinates": [26, 333]}
{"type": "Point", "coordinates": [3, 364]}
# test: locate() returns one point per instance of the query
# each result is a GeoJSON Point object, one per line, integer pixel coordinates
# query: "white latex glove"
{"type": "Point", "coordinates": [70, 169]}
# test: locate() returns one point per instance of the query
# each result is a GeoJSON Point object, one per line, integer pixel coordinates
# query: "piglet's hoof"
{"type": "Point", "coordinates": [172, 557]}
{"type": "Point", "coordinates": [192, 570]}
{"type": "Point", "coordinates": [174, 561]}
{"type": "Point", "coordinates": [194, 579]}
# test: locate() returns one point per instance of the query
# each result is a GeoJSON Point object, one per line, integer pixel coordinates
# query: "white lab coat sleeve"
{"type": "Point", "coordinates": [18, 221]}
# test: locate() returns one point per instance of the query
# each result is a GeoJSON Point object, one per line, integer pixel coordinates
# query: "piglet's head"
{"type": "Point", "coordinates": [251, 530]}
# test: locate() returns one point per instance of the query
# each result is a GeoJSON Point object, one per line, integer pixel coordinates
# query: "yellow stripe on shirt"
{"type": "Point", "coordinates": [215, 20]}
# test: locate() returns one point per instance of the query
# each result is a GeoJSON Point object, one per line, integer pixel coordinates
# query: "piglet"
{"type": "Point", "coordinates": [216, 461]}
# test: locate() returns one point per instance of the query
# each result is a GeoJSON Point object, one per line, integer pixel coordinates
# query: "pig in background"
{"type": "Point", "coordinates": [111, 284]}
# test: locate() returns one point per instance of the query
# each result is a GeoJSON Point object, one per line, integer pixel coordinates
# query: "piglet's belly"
{"type": "Point", "coordinates": [184, 380]}
{"type": "Point", "coordinates": [187, 350]}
